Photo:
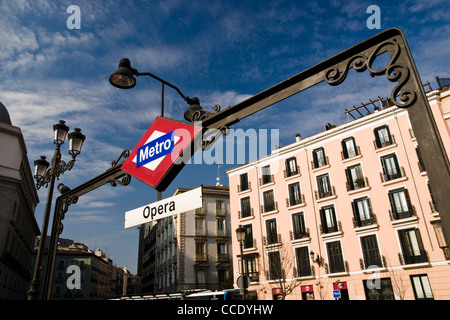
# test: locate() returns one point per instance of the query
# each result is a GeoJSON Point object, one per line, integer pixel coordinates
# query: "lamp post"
{"type": "Point", "coordinates": [243, 279]}
{"type": "Point", "coordinates": [45, 176]}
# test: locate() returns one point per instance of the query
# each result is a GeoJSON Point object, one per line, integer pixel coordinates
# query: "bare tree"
{"type": "Point", "coordinates": [281, 269]}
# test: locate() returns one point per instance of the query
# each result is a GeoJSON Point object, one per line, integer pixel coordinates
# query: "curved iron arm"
{"type": "Point", "coordinates": [111, 176]}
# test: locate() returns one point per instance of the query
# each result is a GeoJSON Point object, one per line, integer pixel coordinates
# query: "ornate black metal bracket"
{"type": "Point", "coordinates": [114, 175]}
{"type": "Point", "coordinates": [59, 169]}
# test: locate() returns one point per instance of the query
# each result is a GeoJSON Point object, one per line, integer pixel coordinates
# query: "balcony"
{"type": "Point", "coordinates": [323, 194]}
{"type": "Point", "coordinates": [221, 212]}
{"type": "Point", "coordinates": [200, 211]}
{"type": "Point", "coordinates": [271, 239]}
{"type": "Point", "coordinates": [223, 257]}
{"type": "Point", "coordinates": [390, 176]}
{"type": "Point", "coordinates": [290, 202]}
{"type": "Point", "coordinates": [421, 256]}
{"type": "Point", "coordinates": [266, 179]}
{"type": "Point", "coordinates": [244, 187]}
{"type": "Point", "coordinates": [357, 184]}
{"type": "Point", "coordinates": [382, 145]}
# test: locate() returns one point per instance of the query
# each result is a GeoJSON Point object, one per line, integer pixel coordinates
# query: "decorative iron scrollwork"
{"type": "Point", "coordinates": [123, 181]}
{"type": "Point", "coordinates": [215, 134]}
{"type": "Point", "coordinates": [200, 114]}
{"type": "Point", "coordinates": [63, 208]}
{"type": "Point", "coordinates": [125, 154]}
{"type": "Point", "coordinates": [393, 71]}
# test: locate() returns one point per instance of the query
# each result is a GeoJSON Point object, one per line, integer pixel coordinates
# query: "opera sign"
{"type": "Point", "coordinates": [183, 202]}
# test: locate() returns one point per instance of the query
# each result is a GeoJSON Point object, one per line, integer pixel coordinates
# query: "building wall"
{"type": "Point", "coordinates": [18, 226]}
{"type": "Point", "coordinates": [388, 229]}
{"type": "Point", "coordinates": [187, 246]}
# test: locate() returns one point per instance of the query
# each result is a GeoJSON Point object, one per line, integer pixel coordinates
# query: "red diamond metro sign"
{"type": "Point", "coordinates": [162, 152]}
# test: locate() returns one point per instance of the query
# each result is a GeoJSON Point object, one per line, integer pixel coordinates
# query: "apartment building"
{"type": "Point", "coordinates": [190, 250]}
{"type": "Point", "coordinates": [98, 277]}
{"type": "Point", "coordinates": [347, 213]}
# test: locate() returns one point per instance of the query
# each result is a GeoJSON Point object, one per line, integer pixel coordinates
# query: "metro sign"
{"type": "Point", "coordinates": [162, 152]}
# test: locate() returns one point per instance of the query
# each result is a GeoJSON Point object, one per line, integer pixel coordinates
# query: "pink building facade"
{"type": "Point", "coordinates": [345, 213]}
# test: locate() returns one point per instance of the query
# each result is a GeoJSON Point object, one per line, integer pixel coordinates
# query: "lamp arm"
{"type": "Point", "coordinates": [187, 99]}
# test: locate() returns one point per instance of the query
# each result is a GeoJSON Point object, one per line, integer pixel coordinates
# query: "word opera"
{"type": "Point", "coordinates": [182, 202]}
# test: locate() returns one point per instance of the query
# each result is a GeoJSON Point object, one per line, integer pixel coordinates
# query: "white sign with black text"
{"type": "Point", "coordinates": [183, 202]}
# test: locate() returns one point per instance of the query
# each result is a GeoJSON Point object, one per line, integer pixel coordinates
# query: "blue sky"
{"type": "Point", "coordinates": [219, 51]}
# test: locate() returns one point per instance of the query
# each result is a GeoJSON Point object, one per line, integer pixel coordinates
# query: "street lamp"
{"type": "Point", "coordinates": [243, 279]}
{"type": "Point", "coordinates": [317, 260]}
{"type": "Point", "coordinates": [45, 176]}
{"type": "Point", "coordinates": [123, 78]}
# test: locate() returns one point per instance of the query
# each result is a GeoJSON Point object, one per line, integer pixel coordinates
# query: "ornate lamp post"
{"type": "Point", "coordinates": [45, 176]}
{"type": "Point", "coordinates": [243, 279]}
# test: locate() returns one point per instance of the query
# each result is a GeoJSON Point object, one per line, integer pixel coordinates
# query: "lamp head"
{"type": "Point", "coordinates": [240, 233]}
{"type": "Point", "coordinates": [76, 140]}
{"type": "Point", "coordinates": [123, 77]}
{"type": "Point", "coordinates": [60, 131]}
{"type": "Point", "coordinates": [40, 167]}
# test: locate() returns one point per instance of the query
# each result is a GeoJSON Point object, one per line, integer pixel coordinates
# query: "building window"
{"type": "Point", "coordinates": [355, 177]}
{"type": "Point", "coordinates": [335, 259]}
{"type": "Point", "coordinates": [220, 208]}
{"type": "Point", "coordinates": [383, 137]}
{"type": "Point", "coordinates": [432, 202]}
{"type": "Point", "coordinates": [422, 288]}
{"type": "Point", "coordinates": [271, 231]}
{"type": "Point", "coordinates": [324, 186]}
{"type": "Point", "coordinates": [222, 254]}
{"type": "Point", "coordinates": [379, 291]}
{"type": "Point", "coordinates": [391, 168]}
{"type": "Point", "coordinates": [275, 267]}
{"type": "Point", "coordinates": [291, 167]}
{"type": "Point", "coordinates": [245, 208]}
{"type": "Point", "coordinates": [420, 160]}
{"type": "Point", "coordinates": [221, 227]}
{"type": "Point", "coordinates": [200, 251]}
{"type": "Point", "coordinates": [362, 212]}
{"type": "Point", "coordinates": [319, 158]}
{"type": "Point", "coordinates": [371, 253]}
{"type": "Point", "coordinates": [349, 148]}
{"type": "Point", "coordinates": [248, 240]}
{"type": "Point", "coordinates": [268, 200]}
{"type": "Point", "coordinates": [412, 247]}
{"type": "Point", "coordinates": [250, 264]}
{"type": "Point", "coordinates": [200, 229]}
{"type": "Point", "coordinates": [303, 262]}
{"type": "Point", "coordinates": [298, 225]}
{"type": "Point", "coordinates": [400, 204]}
{"type": "Point", "coordinates": [266, 175]}
{"type": "Point", "coordinates": [295, 196]}
{"type": "Point", "coordinates": [328, 219]}
{"type": "Point", "coordinates": [243, 182]}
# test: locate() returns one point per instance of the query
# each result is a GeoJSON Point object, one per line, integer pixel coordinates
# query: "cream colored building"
{"type": "Point", "coordinates": [18, 200]}
{"type": "Point", "coordinates": [190, 250]}
{"type": "Point", "coordinates": [348, 211]}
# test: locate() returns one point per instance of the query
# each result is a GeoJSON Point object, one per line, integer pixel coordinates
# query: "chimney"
{"type": "Point", "coordinates": [297, 137]}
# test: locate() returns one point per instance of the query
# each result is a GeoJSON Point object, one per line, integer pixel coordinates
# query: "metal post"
{"type": "Point", "coordinates": [34, 292]}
